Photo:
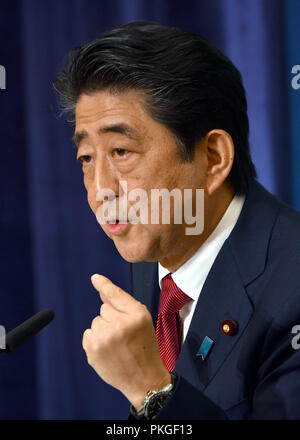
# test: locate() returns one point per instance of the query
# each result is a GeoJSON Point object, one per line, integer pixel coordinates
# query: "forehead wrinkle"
{"type": "Point", "coordinates": [116, 123]}
{"type": "Point", "coordinates": [114, 127]}
{"type": "Point", "coordinates": [122, 128]}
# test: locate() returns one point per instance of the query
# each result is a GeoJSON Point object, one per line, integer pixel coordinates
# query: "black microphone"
{"type": "Point", "coordinates": [27, 329]}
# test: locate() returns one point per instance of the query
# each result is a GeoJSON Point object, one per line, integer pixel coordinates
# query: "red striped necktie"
{"type": "Point", "coordinates": [169, 324]}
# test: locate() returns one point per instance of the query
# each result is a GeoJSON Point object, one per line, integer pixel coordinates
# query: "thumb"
{"type": "Point", "coordinates": [97, 285]}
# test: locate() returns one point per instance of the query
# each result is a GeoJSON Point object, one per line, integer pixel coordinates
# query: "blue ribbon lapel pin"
{"type": "Point", "coordinates": [205, 347]}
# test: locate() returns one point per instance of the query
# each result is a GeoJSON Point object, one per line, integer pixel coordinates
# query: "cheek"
{"type": "Point", "coordinates": [92, 203]}
{"type": "Point", "coordinates": [91, 195]}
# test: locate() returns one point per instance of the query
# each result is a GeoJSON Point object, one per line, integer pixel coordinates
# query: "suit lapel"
{"type": "Point", "coordinates": [222, 297]}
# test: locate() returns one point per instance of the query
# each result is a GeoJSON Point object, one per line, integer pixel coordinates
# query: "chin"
{"type": "Point", "coordinates": [133, 253]}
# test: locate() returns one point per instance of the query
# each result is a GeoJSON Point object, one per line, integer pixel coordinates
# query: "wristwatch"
{"type": "Point", "coordinates": [154, 401]}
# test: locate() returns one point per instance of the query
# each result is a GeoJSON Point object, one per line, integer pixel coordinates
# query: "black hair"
{"type": "Point", "coordinates": [188, 84]}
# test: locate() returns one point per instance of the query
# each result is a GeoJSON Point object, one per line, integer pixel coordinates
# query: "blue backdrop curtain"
{"type": "Point", "coordinates": [50, 241]}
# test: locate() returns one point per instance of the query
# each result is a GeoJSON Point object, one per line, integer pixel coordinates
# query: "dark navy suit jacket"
{"type": "Point", "coordinates": [255, 280]}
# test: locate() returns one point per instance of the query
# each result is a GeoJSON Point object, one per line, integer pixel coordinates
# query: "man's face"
{"type": "Point", "coordinates": [119, 142]}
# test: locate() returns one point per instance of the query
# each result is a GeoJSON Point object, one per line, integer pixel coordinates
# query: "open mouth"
{"type": "Point", "coordinates": [117, 226]}
{"type": "Point", "coordinates": [117, 221]}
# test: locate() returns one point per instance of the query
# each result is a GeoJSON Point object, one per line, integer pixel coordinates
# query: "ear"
{"type": "Point", "coordinates": [220, 155]}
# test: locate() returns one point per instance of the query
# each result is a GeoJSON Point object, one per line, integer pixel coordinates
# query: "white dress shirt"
{"type": "Point", "coordinates": [190, 277]}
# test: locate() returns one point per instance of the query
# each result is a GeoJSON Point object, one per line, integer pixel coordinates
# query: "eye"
{"type": "Point", "coordinates": [84, 159]}
{"type": "Point", "coordinates": [120, 152]}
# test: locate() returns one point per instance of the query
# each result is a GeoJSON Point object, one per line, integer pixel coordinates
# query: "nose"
{"type": "Point", "coordinates": [104, 184]}
{"type": "Point", "coordinates": [106, 177]}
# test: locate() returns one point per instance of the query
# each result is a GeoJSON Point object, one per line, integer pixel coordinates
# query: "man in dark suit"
{"type": "Point", "coordinates": [209, 328]}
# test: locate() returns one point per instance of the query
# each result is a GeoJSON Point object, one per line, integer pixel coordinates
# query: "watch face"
{"type": "Point", "coordinates": [155, 403]}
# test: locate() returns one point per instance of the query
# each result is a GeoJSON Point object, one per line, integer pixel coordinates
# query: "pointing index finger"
{"type": "Point", "coordinates": [111, 293]}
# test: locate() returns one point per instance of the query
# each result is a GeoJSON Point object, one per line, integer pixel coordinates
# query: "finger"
{"type": "Point", "coordinates": [97, 324]}
{"type": "Point", "coordinates": [86, 337]}
{"type": "Point", "coordinates": [113, 294]}
{"type": "Point", "coordinates": [109, 313]}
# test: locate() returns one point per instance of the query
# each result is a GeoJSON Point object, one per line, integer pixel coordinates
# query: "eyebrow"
{"type": "Point", "coordinates": [120, 127]}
